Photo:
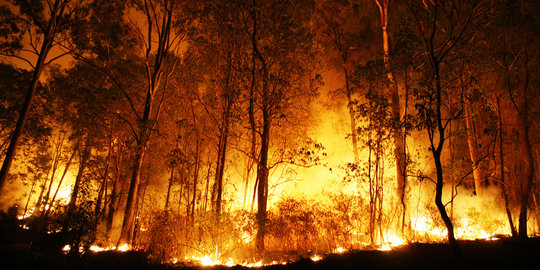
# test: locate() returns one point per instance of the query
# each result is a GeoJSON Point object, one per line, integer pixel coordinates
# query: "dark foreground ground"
{"type": "Point", "coordinates": [500, 254]}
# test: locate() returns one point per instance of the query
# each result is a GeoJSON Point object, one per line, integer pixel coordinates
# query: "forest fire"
{"type": "Point", "coordinates": [268, 133]}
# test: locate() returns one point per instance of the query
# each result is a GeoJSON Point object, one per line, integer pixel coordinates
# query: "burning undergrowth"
{"type": "Point", "coordinates": [301, 228]}
{"type": "Point", "coordinates": [340, 220]}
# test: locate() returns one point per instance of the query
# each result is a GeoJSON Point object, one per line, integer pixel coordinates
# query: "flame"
{"type": "Point", "coordinates": [316, 258]}
{"type": "Point", "coordinates": [394, 240]}
{"type": "Point", "coordinates": [122, 248]}
{"type": "Point", "coordinates": [209, 261]}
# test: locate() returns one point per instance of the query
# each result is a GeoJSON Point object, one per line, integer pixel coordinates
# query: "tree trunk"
{"type": "Point", "coordinates": [222, 157]}
{"type": "Point", "coordinates": [171, 180]}
{"type": "Point", "coordinates": [48, 39]}
{"type": "Point", "coordinates": [350, 108]}
{"type": "Point", "coordinates": [103, 186]}
{"type": "Point", "coordinates": [112, 205]}
{"type": "Point", "coordinates": [527, 164]}
{"type": "Point", "coordinates": [57, 155]}
{"type": "Point", "coordinates": [437, 157]}
{"type": "Point", "coordinates": [438, 200]}
{"type": "Point", "coordinates": [195, 178]}
{"type": "Point", "coordinates": [527, 168]}
{"type": "Point", "coordinates": [399, 144]}
{"type": "Point", "coordinates": [504, 187]}
{"type": "Point", "coordinates": [207, 186]}
{"type": "Point", "coordinates": [78, 179]}
{"type": "Point", "coordinates": [474, 152]}
{"type": "Point", "coordinates": [262, 188]}
{"type": "Point", "coordinates": [68, 164]}
{"type": "Point", "coordinates": [262, 164]}
{"type": "Point", "coordinates": [129, 213]}
{"type": "Point", "coordinates": [147, 122]}
{"type": "Point", "coordinates": [21, 122]}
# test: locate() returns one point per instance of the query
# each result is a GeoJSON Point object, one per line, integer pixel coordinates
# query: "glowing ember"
{"type": "Point", "coordinates": [97, 248]}
{"type": "Point", "coordinates": [207, 261]}
{"type": "Point", "coordinates": [316, 258]}
{"type": "Point", "coordinates": [394, 240]}
{"type": "Point", "coordinates": [385, 247]}
{"type": "Point", "coordinates": [124, 247]}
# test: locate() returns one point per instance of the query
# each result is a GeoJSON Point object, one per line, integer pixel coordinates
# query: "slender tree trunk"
{"type": "Point", "coordinates": [57, 155]}
{"type": "Point", "coordinates": [103, 186]}
{"type": "Point", "coordinates": [181, 193]}
{"type": "Point", "coordinates": [29, 197]}
{"type": "Point", "coordinates": [112, 205]}
{"type": "Point", "coordinates": [438, 201]}
{"type": "Point", "coordinates": [371, 194]}
{"type": "Point", "coordinates": [262, 164]}
{"type": "Point", "coordinates": [129, 213]}
{"type": "Point", "coordinates": [527, 168]}
{"type": "Point", "coordinates": [399, 141]}
{"type": "Point", "coordinates": [504, 187]}
{"type": "Point", "coordinates": [262, 161]}
{"type": "Point", "coordinates": [171, 180]}
{"type": "Point", "coordinates": [527, 163]}
{"type": "Point", "coordinates": [249, 167]}
{"type": "Point", "coordinates": [42, 186]}
{"type": "Point", "coordinates": [352, 117]}
{"type": "Point", "coordinates": [195, 179]}
{"type": "Point", "coordinates": [437, 157]}
{"type": "Point", "coordinates": [147, 122]}
{"type": "Point", "coordinates": [21, 122]}
{"type": "Point", "coordinates": [478, 173]}
{"type": "Point", "coordinates": [262, 188]}
{"type": "Point", "coordinates": [207, 186]}
{"type": "Point", "coordinates": [85, 155]}
{"type": "Point", "coordinates": [68, 164]}
{"type": "Point", "coordinates": [222, 157]}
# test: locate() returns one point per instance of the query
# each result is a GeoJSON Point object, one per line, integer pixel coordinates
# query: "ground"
{"type": "Point", "coordinates": [503, 253]}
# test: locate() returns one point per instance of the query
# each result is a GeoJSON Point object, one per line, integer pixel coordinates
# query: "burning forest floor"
{"type": "Point", "coordinates": [479, 254]}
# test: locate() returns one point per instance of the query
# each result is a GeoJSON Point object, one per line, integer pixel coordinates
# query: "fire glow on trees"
{"type": "Point", "coordinates": [257, 132]}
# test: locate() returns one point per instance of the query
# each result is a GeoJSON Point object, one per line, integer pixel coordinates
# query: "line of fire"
{"type": "Point", "coordinates": [252, 133]}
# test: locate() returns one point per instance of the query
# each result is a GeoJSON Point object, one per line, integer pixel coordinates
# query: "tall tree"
{"type": "Point", "coordinates": [399, 135]}
{"type": "Point", "coordinates": [165, 27]}
{"type": "Point", "coordinates": [222, 53]}
{"type": "Point", "coordinates": [344, 33]}
{"type": "Point", "coordinates": [41, 24]}
{"type": "Point", "coordinates": [281, 50]}
{"type": "Point", "coordinates": [443, 27]}
{"type": "Point", "coordinates": [511, 50]}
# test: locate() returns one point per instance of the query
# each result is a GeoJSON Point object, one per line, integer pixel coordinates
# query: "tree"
{"type": "Point", "coordinates": [343, 35]}
{"type": "Point", "coordinates": [374, 112]}
{"type": "Point", "coordinates": [41, 23]}
{"type": "Point", "coordinates": [281, 51]}
{"type": "Point", "coordinates": [222, 54]}
{"type": "Point", "coordinates": [443, 27]}
{"type": "Point", "coordinates": [399, 135]}
{"type": "Point", "coordinates": [513, 54]}
{"type": "Point", "coordinates": [165, 22]}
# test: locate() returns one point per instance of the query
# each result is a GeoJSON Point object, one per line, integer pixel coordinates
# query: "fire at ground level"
{"type": "Point", "coordinates": [477, 254]}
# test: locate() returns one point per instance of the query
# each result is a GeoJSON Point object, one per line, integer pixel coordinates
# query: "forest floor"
{"type": "Point", "coordinates": [481, 254]}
